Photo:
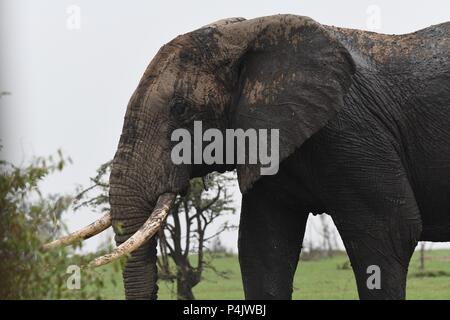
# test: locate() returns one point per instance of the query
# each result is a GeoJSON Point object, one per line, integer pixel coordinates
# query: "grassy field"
{"type": "Point", "coordinates": [318, 279]}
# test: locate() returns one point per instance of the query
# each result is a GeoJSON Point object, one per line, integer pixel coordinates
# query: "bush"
{"type": "Point", "coordinates": [29, 219]}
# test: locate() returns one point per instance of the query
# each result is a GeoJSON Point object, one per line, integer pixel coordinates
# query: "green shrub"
{"type": "Point", "coordinates": [29, 219]}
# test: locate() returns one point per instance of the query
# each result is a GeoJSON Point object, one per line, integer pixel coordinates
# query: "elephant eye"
{"type": "Point", "coordinates": [179, 108]}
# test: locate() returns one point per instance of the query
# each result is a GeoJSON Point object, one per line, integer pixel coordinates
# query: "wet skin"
{"type": "Point", "coordinates": [380, 168]}
{"type": "Point", "coordinates": [364, 124]}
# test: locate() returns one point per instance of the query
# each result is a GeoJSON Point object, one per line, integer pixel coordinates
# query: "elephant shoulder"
{"type": "Point", "coordinates": [422, 51]}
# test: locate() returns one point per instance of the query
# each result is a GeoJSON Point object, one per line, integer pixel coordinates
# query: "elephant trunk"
{"type": "Point", "coordinates": [130, 208]}
{"type": "Point", "coordinates": [143, 178]}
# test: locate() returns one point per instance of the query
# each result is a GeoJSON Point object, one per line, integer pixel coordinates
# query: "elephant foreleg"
{"type": "Point", "coordinates": [270, 239]}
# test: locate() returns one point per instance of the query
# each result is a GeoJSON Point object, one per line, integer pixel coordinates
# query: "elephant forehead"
{"type": "Point", "coordinates": [200, 88]}
{"type": "Point", "coordinates": [169, 78]}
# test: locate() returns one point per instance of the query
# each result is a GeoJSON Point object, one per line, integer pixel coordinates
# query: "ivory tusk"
{"type": "Point", "coordinates": [85, 233]}
{"type": "Point", "coordinates": [148, 229]}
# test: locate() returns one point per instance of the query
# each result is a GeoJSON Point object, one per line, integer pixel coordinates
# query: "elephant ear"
{"type": "Point", "coordinates": [293, 77]}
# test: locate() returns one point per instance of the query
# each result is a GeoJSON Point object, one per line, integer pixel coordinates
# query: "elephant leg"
{"type": "Point", "coordinates": [380, 260]}
{"type": "Point", "coordinates": [380, 243]}
{"type": "Point", "coordinates": [270, 239]}
{"type": "Point", "coordinates": [361, 179]}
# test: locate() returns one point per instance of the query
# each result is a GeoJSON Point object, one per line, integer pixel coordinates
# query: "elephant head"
{"type": "Point", "coordinates": [279, 72]}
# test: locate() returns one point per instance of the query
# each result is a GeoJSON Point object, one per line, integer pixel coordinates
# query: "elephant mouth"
{"type": "Point", "coordinates": [145, 232]}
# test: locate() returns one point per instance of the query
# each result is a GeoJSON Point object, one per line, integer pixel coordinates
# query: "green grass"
{"type": "Point", "coordinates": [319, 279]}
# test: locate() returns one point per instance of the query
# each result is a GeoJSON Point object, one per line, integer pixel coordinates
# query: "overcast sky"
{"type": "Point", "coordinates": [71, 66]}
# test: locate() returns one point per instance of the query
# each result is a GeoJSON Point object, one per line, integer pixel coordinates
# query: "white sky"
{"type": "Point", "coordinates": [70, 87]}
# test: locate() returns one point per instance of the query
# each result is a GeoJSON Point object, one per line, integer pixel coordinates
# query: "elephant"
{"type": "Point", "coordinates": [364, 135]}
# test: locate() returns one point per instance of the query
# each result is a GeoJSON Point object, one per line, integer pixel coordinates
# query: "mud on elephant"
{"type": "Point", "coordinates": [364, 131]}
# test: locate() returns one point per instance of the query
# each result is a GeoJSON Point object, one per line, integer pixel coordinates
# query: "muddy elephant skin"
{"type": "Point", "coordinates": [364, 124]}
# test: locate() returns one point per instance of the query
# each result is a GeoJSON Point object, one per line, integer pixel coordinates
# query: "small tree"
{"type": "Point", "coordinates": [217, 247]}
{"type": "Point", "coordinates": [186, 232]}
{"type": "Point", "coordinates": [422, 256]}
{"type": "Point", "coordinates": [328, 243]}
